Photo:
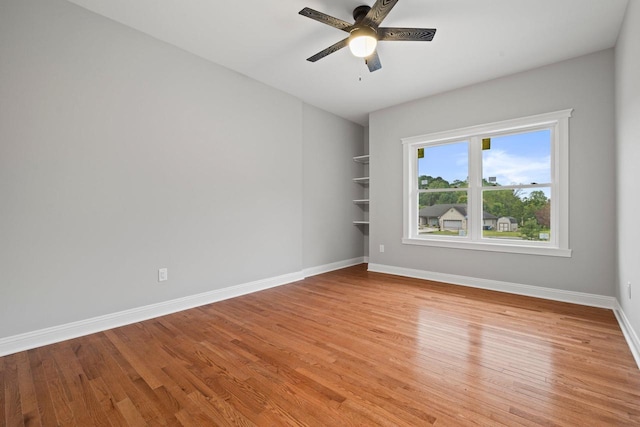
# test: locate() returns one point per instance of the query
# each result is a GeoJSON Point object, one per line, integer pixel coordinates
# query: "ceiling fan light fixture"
{"type": "Point", "coordinates": [366, 32]}
{"type": "Point", "coordinates": [363, 41]}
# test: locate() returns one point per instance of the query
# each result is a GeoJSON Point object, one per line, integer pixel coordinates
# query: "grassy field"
{"type": "Point", "coordinates": [501, 234]}
{"type": "Point", "coordinates": [485, 233]}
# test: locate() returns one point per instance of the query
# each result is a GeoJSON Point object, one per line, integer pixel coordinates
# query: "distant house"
{"type": "Point", "coordinates": [507, 223]}
{"type": "Point", "coordinates": [451, 217]}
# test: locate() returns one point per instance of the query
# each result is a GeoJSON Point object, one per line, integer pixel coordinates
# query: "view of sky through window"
{"type": "Point", "coordinates": [449, 161]}
{"type": "Point", "coordinates": [515, 159]}
{"type": "Point", "coordinates": [523, 158]}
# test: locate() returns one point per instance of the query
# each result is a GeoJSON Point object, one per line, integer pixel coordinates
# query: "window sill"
{"type": "Point", "coordinates": [491, 247]}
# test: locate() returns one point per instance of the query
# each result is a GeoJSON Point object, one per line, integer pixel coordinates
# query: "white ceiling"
{"type": "Point", "coordinates": [476, 40]}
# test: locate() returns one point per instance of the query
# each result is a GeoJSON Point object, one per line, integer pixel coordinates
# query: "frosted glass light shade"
{"type": "Point", "coordinates": [363, 42]}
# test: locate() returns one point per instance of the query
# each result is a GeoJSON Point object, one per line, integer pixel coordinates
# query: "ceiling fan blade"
{"type": "Point", "coordinates": [326, 19]}
{"type": "Point", "coordinates": [373, 62]}
{"type": "Point", "coordinates": [378, 12]}
{"type": "Point", "coordinates": [408, 34]}
{"type": "Point", "coordinates": [328, 51]}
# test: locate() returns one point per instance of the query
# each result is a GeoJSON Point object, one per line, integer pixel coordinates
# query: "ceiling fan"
{"type": "Point", "coordinates": [365, 32]}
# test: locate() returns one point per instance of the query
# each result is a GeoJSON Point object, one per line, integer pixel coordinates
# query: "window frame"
{"type": "Point", "coordinates": [557, 122]}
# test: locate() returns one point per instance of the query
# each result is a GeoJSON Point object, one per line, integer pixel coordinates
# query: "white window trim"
{"type": "Point", "coordinates": [559, 123]}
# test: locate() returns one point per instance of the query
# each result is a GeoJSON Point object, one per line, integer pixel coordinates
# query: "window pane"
{"type": "Point", "coordinates": [517, 214]}
{"type": "Point", "coordinates": [523, 158]}
{"type": "Point", "coordinates": [443, 213]}
{"type": "Point", "coordinates": [443, 166]}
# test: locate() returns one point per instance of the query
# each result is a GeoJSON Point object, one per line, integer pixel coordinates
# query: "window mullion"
{"type": "Point", "coordinates": [408, 192]}
{"type": "Point", "coordinates": [474, 220]}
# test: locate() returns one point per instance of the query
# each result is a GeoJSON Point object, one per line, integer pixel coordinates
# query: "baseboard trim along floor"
{"type": "Point", "coordinates": [39, 338]}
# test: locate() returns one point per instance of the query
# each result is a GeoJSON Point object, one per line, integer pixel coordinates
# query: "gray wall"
{"type": "Point", "coordinates": [628, 155]}
{"type": "Point", "coordinates": [120, 154]}
{"type": "Point", "coordinates": [330, 143]}
{"type": "Point", "coordinates": [585, 84]}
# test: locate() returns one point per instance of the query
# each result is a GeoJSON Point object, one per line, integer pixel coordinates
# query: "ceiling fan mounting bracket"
{"type": "Point", "coordinates": [360, 12]}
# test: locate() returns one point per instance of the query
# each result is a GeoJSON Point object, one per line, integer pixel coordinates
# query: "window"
{"type": "Point", "coordinates": [495, 187]}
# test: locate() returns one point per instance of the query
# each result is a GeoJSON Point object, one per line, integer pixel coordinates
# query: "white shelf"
{"type": "Point", "coordinates": [363, 204]}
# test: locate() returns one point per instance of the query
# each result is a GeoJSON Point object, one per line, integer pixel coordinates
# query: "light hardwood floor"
{"type": "Point", "coordinates": [342, 348]}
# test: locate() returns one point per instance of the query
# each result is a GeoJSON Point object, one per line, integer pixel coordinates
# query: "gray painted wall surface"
{"type": "Point", "coordinates": [330, 143]}
{"type": "Point", "coordinates": [628, 163]}
{"type": "Point", "coordinates": [585, 84]}
{"type": "Point", "coordinates": [120, 154]}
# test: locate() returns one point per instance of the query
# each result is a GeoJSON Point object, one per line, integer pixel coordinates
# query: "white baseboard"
{"type": "Point", "coordinates": [29, 340]}
{"type": "Point", "coordinates": [495, 285]}
{"type": "Point", "coordinates": [629, 333]}
{"type": "Point", "coordinates": [39, 338]}
{"type": "Point", "coordinates": [314, 271]}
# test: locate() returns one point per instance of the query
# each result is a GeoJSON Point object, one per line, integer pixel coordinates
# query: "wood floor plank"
{"type": "Point", "coordinates": [26, 385]}
{"type": "Point", "coordinates": [347, 347]}
{"type": "Point", "coordinates": [137, 362]}
{"type": "Point", "coordinates": [129, 411]}
{"type": "Point", "coordinates": [82, 402]}
{"type": "Point", "coordinates": [46, 410]}
{"type": "Point", "coordinates": [186, 411]}
{"type": "Point", "coordinates": [3, 388]}
{"type": "Point", "coordinates": [12, 402]}
{"type": "Point", "coordinates": [107, 402]}
{"type": "Point", "coordinates": [58, 392]}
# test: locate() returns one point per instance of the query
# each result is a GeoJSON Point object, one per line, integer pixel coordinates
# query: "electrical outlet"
{"type": "Point", "coordinates": [163, 274]}
{"type": "Point", "coordinates": [381, 248]}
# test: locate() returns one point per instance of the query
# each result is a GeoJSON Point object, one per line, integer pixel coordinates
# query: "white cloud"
{"type": "Point", "coordinates": [512, 169]}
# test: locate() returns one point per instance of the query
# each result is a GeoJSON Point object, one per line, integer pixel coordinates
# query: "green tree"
{"type": "Point", "coordinates": [430, 199]}
{"type": "Point", "coordinates": [530, 230]}
{"type": "Point", "coordinates": [543, 215]}
{"type": "Point", "coordinates": [534, 203]}
{"type": "Point", "coordinates": [537, 198]}
{"type": "Point", "coordinates": [503, 203]}
{"type": "Point", "coordinates": [429, 182]}
{"type": "Point", "coordinates": [459, 184]}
